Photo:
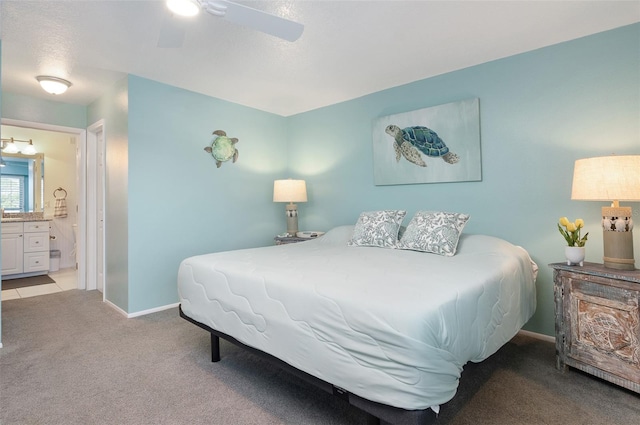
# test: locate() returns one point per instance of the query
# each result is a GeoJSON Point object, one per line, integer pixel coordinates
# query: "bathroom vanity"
{"type": "Point", "coordinates": [25, 247]}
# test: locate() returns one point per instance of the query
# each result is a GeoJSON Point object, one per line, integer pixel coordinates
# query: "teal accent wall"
{"type": "Point", "coordinates": [113, 108]}
{"type": "Point", "coordinates": [179, 203]}
{"type": "Point", "coordinates": [26, 108]}
{"type": "Point", "coordinates": [539, 112]}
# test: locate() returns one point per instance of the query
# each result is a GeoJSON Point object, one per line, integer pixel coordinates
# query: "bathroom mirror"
{"type": "Point", "coordinates": [22, 179]}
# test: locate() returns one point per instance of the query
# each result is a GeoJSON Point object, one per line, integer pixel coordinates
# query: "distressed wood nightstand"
{"type": "Point", "coordinates": [282, 240]}
{"type": "Point", "coordinates": [598, 322]}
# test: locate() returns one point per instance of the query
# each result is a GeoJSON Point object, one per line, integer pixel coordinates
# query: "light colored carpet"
{"type": "Point", "coordinates": [70, 359]}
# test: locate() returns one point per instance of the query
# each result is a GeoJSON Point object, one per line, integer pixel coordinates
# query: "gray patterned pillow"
{"type": "Point", "coordinates": [377, 228]}
{"type": "Point", "coordinates": [435, 232]}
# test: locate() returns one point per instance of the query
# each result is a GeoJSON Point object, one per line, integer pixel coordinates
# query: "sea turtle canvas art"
{"type": "Point", "coordinates": [223, 148]}
{"type": "Point", "coordinates": [410, 141]}
{"type": "Point", "coordinates": [436, 144]}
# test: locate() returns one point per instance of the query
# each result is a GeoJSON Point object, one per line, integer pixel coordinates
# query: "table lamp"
{"type": "Point", "coordinates": [290, 191]}
{"type": "Point", "coordinates": [614, 179]}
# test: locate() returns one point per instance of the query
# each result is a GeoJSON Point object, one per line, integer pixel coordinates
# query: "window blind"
{"type": "Point", "coordinates": [12, 193]}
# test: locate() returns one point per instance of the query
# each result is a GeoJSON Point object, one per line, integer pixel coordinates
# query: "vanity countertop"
{"type": "Point", "coordinates": [23, 219]}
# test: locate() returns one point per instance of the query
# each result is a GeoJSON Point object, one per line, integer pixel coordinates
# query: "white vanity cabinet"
{"type": "Point", "coordinates": [25, 248]}
{"type": "Point", "coordinates": [12, 248]}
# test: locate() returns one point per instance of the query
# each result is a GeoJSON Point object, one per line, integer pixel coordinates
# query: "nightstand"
{"type": "Point", "coordinates": [283, 240]}
{"type": "Point", "coordinates": [598, 322]}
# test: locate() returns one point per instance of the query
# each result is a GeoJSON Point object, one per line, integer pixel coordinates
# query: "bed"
{"type": "Point", "coordinates": [387, 329]}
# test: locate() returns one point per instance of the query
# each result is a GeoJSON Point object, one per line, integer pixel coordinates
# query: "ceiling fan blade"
{"type": "Point", "coordinates": [256, 19]}
{"type": "Point", "coordinates": [172, 32]}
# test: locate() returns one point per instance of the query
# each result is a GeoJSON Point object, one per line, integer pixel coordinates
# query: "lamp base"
{"type": "Point", "coordinates": [617, 226]}
{"type": "Point", "coordinates": [292, 219]}
{"type": "Point", "coordinates": [618, 250]}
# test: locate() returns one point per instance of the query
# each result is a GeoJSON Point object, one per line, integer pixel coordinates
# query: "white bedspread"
{"type": "Point", "coordinates": [391, 326]}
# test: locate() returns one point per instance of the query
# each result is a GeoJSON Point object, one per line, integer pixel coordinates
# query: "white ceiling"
{"type": "Point", "coordinates": [348, 48]}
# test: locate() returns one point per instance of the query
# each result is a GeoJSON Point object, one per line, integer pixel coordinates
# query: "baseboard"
{"type": "Point", "coordinates": [143, 312]}
{"type": "Point", "coordinates": [116, 308]}
{"type": "Point", "coordinates": [536, 335]}
{"type": "Point", "coordinates": [152, 310]}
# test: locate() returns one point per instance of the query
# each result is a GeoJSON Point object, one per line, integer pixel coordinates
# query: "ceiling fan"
{"type": "Point", "coordinates": [173, 30]}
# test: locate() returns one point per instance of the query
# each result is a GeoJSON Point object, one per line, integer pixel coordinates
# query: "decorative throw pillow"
{"type": "Point", "coordinates": [377, 228]}
{"type": "Point", "coordinates": [435, 232]}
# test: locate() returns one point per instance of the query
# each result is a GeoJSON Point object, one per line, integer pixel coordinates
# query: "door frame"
{"type": "Point", "coordinates": [92, 205]}
{"type": "Point", "coordinates": [81, 185]}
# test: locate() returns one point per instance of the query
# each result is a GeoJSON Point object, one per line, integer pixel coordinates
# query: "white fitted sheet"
{"type": "Point", "coordinates": [388, 325]}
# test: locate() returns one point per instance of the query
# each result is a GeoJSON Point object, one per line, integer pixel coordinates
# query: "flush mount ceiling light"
{"type": "Point", "coordinates": [183, 7]}
{"type": "Point", "coordinates": [53, 85]}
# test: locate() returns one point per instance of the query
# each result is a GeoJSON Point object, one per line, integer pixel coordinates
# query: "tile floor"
{"type": "Point", "coordinates": [65, 279]}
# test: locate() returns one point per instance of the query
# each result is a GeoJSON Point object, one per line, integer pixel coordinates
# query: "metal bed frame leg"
{"type": "Point", "coordinates": [215, 348]}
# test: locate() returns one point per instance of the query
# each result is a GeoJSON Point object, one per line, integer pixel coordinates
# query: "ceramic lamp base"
{"type": "Point", "coordinates": [617, 226]}
{"type": "Point", "coordinates": [618, 250]}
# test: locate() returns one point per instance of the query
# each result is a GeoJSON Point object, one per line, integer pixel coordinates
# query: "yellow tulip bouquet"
{"type": "Point", "coordinates": [571, 231]}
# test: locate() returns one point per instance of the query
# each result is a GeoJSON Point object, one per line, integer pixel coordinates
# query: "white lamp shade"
{"type": "Point", "coordinates": [289, 191]}
{"type": "Point", "coordinates": [607, 178]}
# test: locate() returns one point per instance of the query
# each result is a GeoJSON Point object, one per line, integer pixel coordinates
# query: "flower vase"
{"type": "Point", "coordinates": [574, 255]}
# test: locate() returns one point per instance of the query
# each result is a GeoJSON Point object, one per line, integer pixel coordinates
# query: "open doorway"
{"type": "Point", "coordinates": [80, 245]}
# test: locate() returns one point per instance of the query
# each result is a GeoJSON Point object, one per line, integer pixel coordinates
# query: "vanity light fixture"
{"type": "Point", "coordinates": [10, 146]}
{"type": "Point", "coordinates": [183, 7]}
{"type": "Point", "coordinates": [53, 85]}
{"type": "Point", "coordinates": [30, 149]}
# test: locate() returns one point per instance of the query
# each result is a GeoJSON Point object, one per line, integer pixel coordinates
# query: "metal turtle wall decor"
{"type": "Point", "coordinates": [223, 148]}
{"type": "Point", "coordinates": [437, 144]}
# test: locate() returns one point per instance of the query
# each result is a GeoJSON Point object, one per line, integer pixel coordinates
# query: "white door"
{"type": "Point", "coordinates": [96, 169]}
{"type": "Point", "coordinates": [100, 177]}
